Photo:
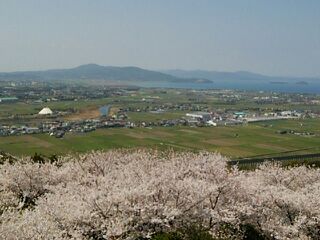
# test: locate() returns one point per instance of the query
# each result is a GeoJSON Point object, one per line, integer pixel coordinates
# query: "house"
{"type": "Point", "coordinates": [239, 114]}
{"type": "Point", "coordinates": [286, 113]}
{"type": "Point", "coordinates": [8, 99]}
{"type": "Point", "coordinates": [211, 123]}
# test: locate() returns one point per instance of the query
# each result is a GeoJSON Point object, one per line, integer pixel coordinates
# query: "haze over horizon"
{"type": "Point", "coordinates": [268, 37]}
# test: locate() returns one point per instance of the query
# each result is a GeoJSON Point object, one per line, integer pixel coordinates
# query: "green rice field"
{"type": "Point", "coordinates": [233, 141]}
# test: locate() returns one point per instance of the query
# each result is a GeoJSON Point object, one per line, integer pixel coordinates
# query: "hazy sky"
{"type": "Point", "coordinates": [275, 37]}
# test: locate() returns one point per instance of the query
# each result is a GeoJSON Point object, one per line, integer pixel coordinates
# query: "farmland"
{"type": "Point", "coordinates": [233, 141]}
{"type": "Point", "coordinates": [156, 118]}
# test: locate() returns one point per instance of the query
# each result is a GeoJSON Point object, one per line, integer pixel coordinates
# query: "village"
{"type": "Point", "coordinates": [58, 128]}
{"type": "Point", "coordinates": [30, 107]}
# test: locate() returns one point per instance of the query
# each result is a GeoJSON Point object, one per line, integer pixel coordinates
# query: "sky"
{"type": "Point", "coordinates": [264, 36]}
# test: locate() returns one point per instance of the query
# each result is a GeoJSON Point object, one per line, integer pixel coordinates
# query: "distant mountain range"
{"type": "Point", "coordinates": [216, 76]}
{"type": "Point", "coordinates": [97, 72]}
{"type": "Point", "coordinates": [134, 74]}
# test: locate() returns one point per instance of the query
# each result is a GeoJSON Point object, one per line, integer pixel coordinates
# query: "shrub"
{"type": "Point", "coordinates": [187, 233]}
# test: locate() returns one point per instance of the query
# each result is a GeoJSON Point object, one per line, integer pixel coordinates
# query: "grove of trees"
{"type": "Point", "coordinates": [140, 194]}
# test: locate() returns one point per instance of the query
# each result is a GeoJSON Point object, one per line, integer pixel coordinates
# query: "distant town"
{"type": "Point", "coordinates": [57, 109]}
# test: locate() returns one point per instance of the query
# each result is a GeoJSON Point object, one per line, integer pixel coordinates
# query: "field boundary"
{"type": "Point", "coordinates": [296, 158]}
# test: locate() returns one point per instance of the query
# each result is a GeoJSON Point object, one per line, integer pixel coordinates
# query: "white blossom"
{"type": "Point", "coordinates": [121, 194]}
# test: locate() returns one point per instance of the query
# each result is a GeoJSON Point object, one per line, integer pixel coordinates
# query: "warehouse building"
{"type": "Point", "coordinates": [200, 116]}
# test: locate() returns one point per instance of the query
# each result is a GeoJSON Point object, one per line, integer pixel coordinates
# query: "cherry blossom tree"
{"type": "Point", "coordinates": [126, 194]}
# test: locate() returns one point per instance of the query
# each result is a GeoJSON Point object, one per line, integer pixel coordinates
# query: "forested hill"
{"type": "Point", "coordinates": [238, 76]}
{"type": "Point", "coordinates": [97, 72]}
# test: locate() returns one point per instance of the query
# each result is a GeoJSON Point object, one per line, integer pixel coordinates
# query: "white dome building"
{"type": "Point", "coordinates": [45, 111]}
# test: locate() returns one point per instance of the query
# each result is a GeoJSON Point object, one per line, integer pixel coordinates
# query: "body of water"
{"type": "Point", "coordinates": [313, 87]}
{"type": "Point", "coordinates": [104, 110]}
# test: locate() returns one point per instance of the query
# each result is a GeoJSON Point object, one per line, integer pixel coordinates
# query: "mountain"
{"type": "Point", "coordinates": [236, 76]}
{"type": "Point", "coordinates": [134, 74]}
{"type": "Point", "coordinates": [97, 72]}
